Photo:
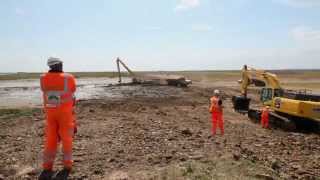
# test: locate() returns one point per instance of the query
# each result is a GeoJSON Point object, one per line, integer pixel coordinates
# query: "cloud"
{"type": "Point", "coordinates": [305, 34]}
{"type": "Point", "coordinates": [201, 27]}
{"type": "Point", "coordinates": [187, 4]}
{"type": "Point", "coordinates": [20, 11]}
{"type": "Point", "coordinates": [301, 3]}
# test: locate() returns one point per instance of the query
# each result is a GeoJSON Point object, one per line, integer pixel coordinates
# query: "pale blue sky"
{"type": "Point", "coordinates": [159, 34]}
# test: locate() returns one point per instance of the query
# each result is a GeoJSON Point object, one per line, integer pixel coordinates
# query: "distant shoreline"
{"type": "Point", "coordinates": [205, 70]}
{"type": "Point", "coordinates": [194, 75]}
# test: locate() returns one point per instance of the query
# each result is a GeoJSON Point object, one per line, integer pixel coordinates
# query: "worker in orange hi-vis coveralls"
{"type": "Point", "coordinates": [58, 95]}
{"type": "Point", "coordinates": [265, 117]}
{"type": "Point", "coordinates": [216, 110]}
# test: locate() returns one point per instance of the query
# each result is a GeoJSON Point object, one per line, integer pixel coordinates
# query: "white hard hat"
{"type": "Point", "coordinates": [53, 61]}
{"type": "Point", "coordinates": [216, 91]}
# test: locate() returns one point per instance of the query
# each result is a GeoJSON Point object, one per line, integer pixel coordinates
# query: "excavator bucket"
{"type": "Point", "coordinates": [241, 104]}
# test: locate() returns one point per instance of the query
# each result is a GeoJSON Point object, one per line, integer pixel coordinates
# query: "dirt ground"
{"type": "Point", "coordinates": [158, 132]}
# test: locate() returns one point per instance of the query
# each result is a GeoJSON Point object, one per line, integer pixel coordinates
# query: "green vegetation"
{"type": "Point", "coordinates": [206, 76]}
{"type": "Point", "coordinates": [16, 76]}
{"type": "Point", "coordinates": [299, 74]}
{"type": "Point", "coordinates": [97, 74]}
{"type": "Point", "coordinates": [6, 114]}
{"type": "Point", "coordinates": [224, 168]}
{"type": "Point", "coordinates": [210, 75]}
{"type": "Point", "coordinates": [302, 85]}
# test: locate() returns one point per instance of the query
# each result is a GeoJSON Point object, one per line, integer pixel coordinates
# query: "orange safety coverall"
{"type": "Point", "coordinates": [217, 115]}
{"type": "Point", "coordinates": [265, 117]}
{"type": "Point", "coordinates": [58, 94]}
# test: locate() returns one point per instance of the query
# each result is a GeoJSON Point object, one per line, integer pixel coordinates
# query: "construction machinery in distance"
{"type": "Point", "coordinates": [153, 79]}
{"type": "Point", "coordinates": [290, 109]}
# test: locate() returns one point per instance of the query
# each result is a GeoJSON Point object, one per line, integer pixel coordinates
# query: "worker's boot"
{"type": "Point", "coordinates": [45, 175]}
{"type": "Point", "coordinates": [62, 175]}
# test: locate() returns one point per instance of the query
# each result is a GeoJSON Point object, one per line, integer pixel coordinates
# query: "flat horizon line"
{"type": "Point", "coordinates": [204, 70]}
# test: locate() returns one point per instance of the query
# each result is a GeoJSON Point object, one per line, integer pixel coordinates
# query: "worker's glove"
{"type": "Point", "coordinates": [75, 131]}
{"type": "Point", "coordinates": [74, 101]}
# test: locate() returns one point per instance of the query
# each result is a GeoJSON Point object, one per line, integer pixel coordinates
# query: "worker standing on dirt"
{"type": "Point", "coordinates": [216, 109]}
{"type": "Point", "coordinates": [59, 101]}
{"type": "Point", "coordinates": [265, 117]}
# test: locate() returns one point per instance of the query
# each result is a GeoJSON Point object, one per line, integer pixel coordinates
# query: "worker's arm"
{"type": "Point", "coordinates": [73, 88]}
{"type": "Point", "coordinates": [75, 130]}
{"type": "Point", "coordinates": [73, 84]}
{"type": "Point", "coordinates": [42, 90]}
{"type": "Point", "coordinates": [220, 103]}
{"type": "Point", "coordinates": [210, 105]}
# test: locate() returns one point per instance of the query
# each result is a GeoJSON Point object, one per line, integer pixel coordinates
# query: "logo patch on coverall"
{"type": "Point", "coordinates": [277, 103]}
{"type": "Point", "coordinates": [53, 98]}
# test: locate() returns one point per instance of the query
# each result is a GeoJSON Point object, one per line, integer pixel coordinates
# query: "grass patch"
{"type": "Point", "coordinates": [299, 74]}
{"type": "Point", "coordinates": [302, 85]}
{"type": "Point", "coordinates": [98, 74]}
{"type": "Point", "coordinates": [193, 75]}
{"type": "Point", "coordinates": [210, 76]}
{"type": "Point", "coordinates": [15, 113]}
{"type": "Point", "coordinates": [17, 76]}
{"type": "Point", "coordinates": [220, 168]}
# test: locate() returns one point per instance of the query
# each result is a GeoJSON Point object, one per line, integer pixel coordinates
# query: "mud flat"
{"type": "Point", "coordinates": [159, 132]}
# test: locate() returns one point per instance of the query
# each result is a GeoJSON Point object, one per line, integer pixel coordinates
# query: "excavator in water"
{"type": "Point", "coordinates": [153, 79]}
{"type": "Point", "coordinates": [290, 110]}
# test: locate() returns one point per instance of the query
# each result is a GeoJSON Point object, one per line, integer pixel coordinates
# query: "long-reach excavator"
{"type": "Point", "coordinates": [127, 68]}
{"type": "Point", "coordinates": [155, 79]}
{"type": "Point", "coordinates": [289, 109]}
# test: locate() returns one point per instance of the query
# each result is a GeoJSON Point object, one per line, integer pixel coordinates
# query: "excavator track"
{"type": "Point", "coordinates": [278, 120]}
{"type": "Point", "coordinates": [275, 120]}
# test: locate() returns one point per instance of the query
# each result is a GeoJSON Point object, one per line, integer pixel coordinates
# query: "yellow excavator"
{"type": "Point", "coordinates": [289, 109]}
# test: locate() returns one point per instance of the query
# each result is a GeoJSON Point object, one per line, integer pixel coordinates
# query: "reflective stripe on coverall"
{"type": "Point", "coordinates": [58, 96]}
{"type": "Point", "coordinates": [217, 115]}
{"type": "Point", "coordinates": [265, 117]}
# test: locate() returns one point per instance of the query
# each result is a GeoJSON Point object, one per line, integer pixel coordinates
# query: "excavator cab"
{"type": "Point", "coordinates": [266, 94]}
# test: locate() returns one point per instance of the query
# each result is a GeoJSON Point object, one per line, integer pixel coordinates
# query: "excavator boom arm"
{"type": "Point", "coordinates": [253, 76]}
{"type": "Point", "coordinates": [125, 66]}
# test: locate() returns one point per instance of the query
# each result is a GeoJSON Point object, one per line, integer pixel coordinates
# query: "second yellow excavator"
{"type": "Point", "coordinates": [290, 109]}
